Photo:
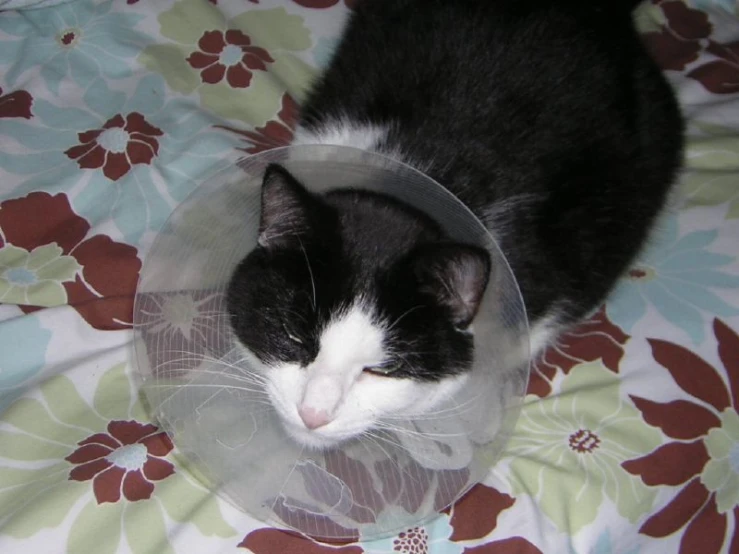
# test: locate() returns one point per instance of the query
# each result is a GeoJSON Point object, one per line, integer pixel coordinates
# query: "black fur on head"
{"type": "Point", "coordinates": [318, 255]}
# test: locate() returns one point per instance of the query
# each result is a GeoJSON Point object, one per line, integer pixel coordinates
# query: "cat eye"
{"type": "Point", "coordinates": [291, 335]}
{"type": "Point", "coordinates": [384, 369]}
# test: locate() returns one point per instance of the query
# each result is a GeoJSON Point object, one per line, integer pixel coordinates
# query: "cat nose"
{"type": "Point", "coordinates": [313, 419]}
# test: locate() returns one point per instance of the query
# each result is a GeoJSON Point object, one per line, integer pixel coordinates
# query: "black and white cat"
{"type": "Point", "coordinates": [547, 119]}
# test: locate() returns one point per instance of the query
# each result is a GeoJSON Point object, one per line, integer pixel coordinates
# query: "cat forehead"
{"type": "Point", "coordinates": [351, 338]}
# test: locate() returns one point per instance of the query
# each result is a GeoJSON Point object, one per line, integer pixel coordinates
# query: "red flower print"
{"type": "Point", "coordinates": [121, 143]}
{"type": "Point", "coordinates": [465, 525]}
{"type": "Point", "coordinates": [16, 104]}
{"type": "Point", "coordinates": [683, 461]}
{"type": "Point", "coordinates": [405, 485]}
{"type": "Point", "coordinates": [513, 545]}
{"type": "Point", "coordinates": [228, 55]}
{"type": "Point", "coordinates": [277, 132]}
{"type": "Point", "coordinates": [268, 541]}
{"type": "Point", "coordinates": [469, 526]}
{"type": "Point", "coordinates": [685, 37]}
{"type": "Point", "coordinates": [480, 500]}
{"type": "Point", "coordinates": [677, 43]}
{"type": "Point", "coordinates": [593, 339]}
{"type": "Point", "coordinates": [720, 76]}
{"type": "Point", "coordinates": [124, 460]}
{"type": "Point", "coordinates": [103, 291]}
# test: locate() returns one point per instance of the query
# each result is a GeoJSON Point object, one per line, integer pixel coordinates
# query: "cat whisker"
{"type": "Point", "coordinates": [241, 373]}
{"type": "Point", "coordinates": [413, 309]}
{"type": "Point", "coordinates": [420, 434]}
{"type": "Point", "coordinates": [369, 437]}
{"type": "Point", "coordinates": [457, 409]}
{"type": "Point", "coordinates": [457, 405]}
{"type": "Point", "coordinates": [414, 456]}
{"type": "Point", "coordinates": [310, 272]}
{"type": "Point", "coordinates": [296, 315]}
{"type": "Point", "coordinates": [254, 138]}
{"type": "Point", "coordinates": [438, 415]}
{"type": "Point", "coordinates": [230, 377]}
{"type": "Point", "coordinates": [183, 386]}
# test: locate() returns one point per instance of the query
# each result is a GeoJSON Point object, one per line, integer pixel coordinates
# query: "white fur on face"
{"type": "Point", "coordinates": [335, 389]}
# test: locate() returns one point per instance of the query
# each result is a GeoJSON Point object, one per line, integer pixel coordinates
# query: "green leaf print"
{"type": "Point", "coordinates": [19, 486]}
{"type": "Point", "coordinates": [187, 19]}
{"type": "Point", "coordinates": [112, 398]}
{"type": "Point", "coordinates": [712, 162]}
{"type": "Point", "coordinates": [47, 509]}
{"type": "Point", "coordinates": [145, 529]}
{"type": "Point", "coordinates": [31, 416]}
{"type": "Point", "coordinates": [67, 406]}
{"type": "Point", "coordinates": [207, 56]}
{"type": "Point", "coordinates": [185, 501]}
{"type": "Point", "coordinates": [169, 60]}
{"type": "Point", "coordinates": [263, 25]}
{"type": "Point", "coordinates": [571, 445]}
{"type": "Point", "coordinates": [97, 529]}
{"type": "Point", "coordinates": [24, 448]}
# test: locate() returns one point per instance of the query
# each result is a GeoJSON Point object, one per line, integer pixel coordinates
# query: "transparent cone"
{"type": "Point", "coordinates": [200, 385]}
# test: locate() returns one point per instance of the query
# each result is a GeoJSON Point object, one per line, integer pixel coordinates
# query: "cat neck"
{"type": "Point", "coordinates": [342, 132]}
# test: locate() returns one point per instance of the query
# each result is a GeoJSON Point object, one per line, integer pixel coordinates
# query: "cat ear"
{"type": "Point", "coordinates": [456, 276]}
{"type": "Point", "coordinates": [285, 208]}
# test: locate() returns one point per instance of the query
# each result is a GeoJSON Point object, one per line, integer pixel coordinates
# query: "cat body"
{"type": "Point", "coordinates": [547, 119]}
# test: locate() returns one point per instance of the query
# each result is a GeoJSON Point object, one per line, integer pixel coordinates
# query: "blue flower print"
{"type": "Point", "coordinates": [23, 342]}
{"type": "Point", "coordinates": [605, 545]}
{"type": "Point", "coordinates": [676, 276]}
{"type": "Point", "coordinates": [129, 157]}
{"type": "Point", "coordinates": [434, 536]}
{"type": "Point", "coordinates": [71, 40]}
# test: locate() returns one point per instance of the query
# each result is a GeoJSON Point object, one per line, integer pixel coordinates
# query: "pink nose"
{"type": "Point", "coordinates": [313, 419]}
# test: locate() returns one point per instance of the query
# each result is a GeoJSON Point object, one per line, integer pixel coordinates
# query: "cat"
{"type": "Point", "coordinates": [549, 120]}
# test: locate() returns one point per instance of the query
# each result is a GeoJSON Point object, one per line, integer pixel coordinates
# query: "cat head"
{"type": "Point", "coordinates": [357, 307]}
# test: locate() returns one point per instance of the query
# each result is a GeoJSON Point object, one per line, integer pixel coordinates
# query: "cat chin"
{"type": "Point", "coordinates": [320, 440]}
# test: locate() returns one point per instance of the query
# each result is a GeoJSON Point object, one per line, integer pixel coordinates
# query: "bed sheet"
{"type": "Point", "coordinates": [112, 111]}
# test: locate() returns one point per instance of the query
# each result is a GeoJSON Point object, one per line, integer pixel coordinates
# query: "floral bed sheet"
{"type": "Point", "coordinates": [112, 111]}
